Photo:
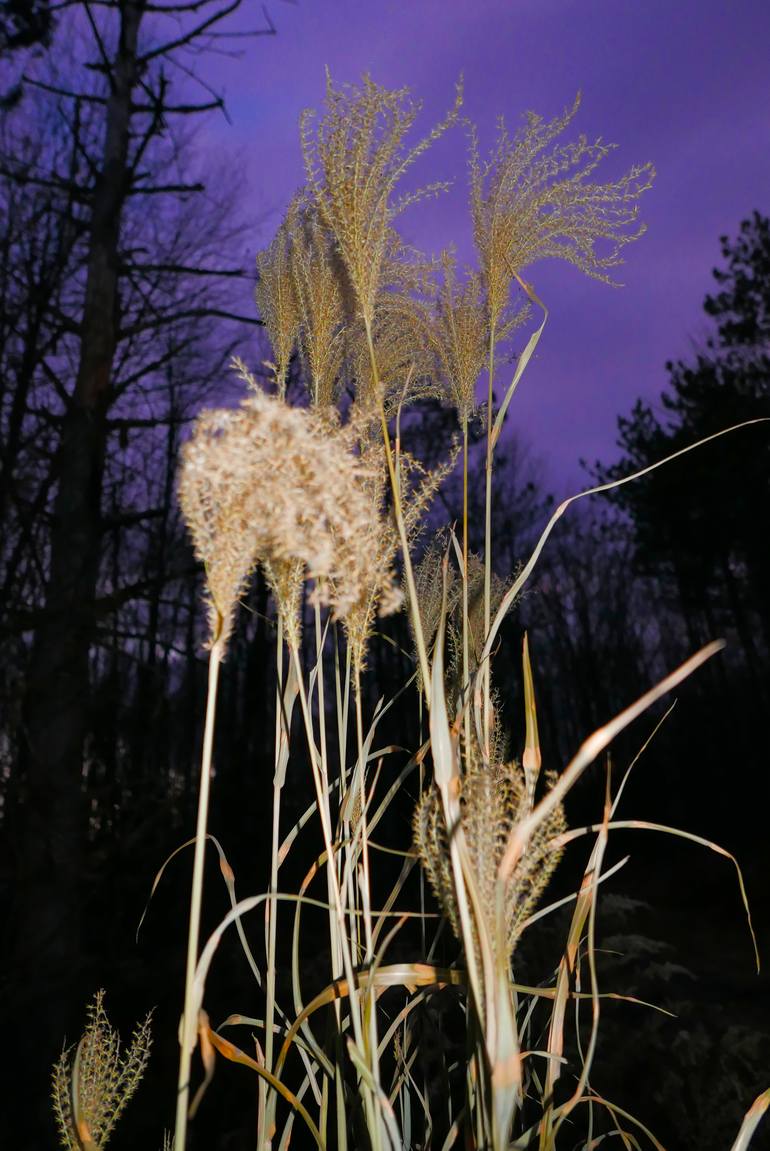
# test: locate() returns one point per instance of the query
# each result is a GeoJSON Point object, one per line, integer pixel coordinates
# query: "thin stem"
{"type": "Point", "coordinates": [325, 816]}
{"type": "Point", "coordinates": [335, 949]}
{"type": "Point", "coordinates": [362, 821]}
{"type": "Point", "coordinates": [371, 1103]}
{"type": "Point", "coordinates": [369, 1012]}
{"type": "Point", "coordinates": [398, 512]}
{"type": "Point", "coordinates": [466, 651]}
{"type": "Point", "coordinates": [271, 905]}
{"type": "Point", "coordinates": [488, 542]}
{"type": "Point", "coordinates": [189, 1024]}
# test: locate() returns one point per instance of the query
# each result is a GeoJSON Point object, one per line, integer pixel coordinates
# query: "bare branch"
{"type": "Point", "coordinates": [128, 425]}
{"type": "Point", "coordinates": [175, 9]}
{"type": "Point", "coordinates": [79, 195]}
{"type": "Point", "coordinates": [206, 87]}
{"type": "Point", "coordinates": [106, 65]}
{"type": "Point", "coordinates": [190, 314]}
{"type": "Point", "coordinates": [86, 97]}
{"type": "Point", "coordinates": [165, 189]}
{"type": "Point", "coordinates": [182, 109]}
{"type": "Point", "coordinates": [193, 34]}
{"type": "Point", "coordinates": [182, 269]}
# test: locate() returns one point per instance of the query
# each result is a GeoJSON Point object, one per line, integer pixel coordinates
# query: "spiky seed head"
{"type": "Point", "coordinates": [93, 1082]}
{"type": "Point", "coordinates": [493, 800]}
{"type": "Point", "coordinates": [533, 200]}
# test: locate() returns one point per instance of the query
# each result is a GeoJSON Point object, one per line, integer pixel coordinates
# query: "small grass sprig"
{"type": "Point", "coordinates": [92, 1086]}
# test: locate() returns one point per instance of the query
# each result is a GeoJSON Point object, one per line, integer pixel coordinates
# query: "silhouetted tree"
{"type": "Point", "coordinates": [116, 315]}
{"type": "Point", "coordinates": [701, 523]}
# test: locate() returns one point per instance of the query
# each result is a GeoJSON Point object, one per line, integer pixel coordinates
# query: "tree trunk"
{"type": "Point", "coordinates": [56, 712]}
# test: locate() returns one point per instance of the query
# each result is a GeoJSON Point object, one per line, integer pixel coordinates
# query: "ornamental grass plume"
{"type": "Point", "coordinates": [378, 592]}
{"type": "Point", "coordinates": [532, 200]}
{"type": "Point", "coordinates": [403, 367]}
{"type": "Point", "coordinates": [276, 295]}
{"type": "Point", "coordinates": [354, 159]}
{"type": "Point", "coordinates": [459, 335]}
{"type": "Point", "coordinates": [320, 291]}
{"type": "Point", "coordinates": [305, 495]}
{"type": "Point", "coordinates": [474, 616]}
{"type": "Point", "coordinates": [269, 483]}
{"type": "Point", "coordinates": [215, 489]}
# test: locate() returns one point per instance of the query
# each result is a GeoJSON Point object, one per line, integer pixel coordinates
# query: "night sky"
{"type": "Point", "coordinates": [683, 83]}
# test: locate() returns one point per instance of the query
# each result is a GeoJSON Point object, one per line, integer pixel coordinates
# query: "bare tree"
{"type": "Point", "coordinates": [118, 268]}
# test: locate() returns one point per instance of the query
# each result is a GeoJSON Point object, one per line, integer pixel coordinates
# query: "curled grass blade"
{"type": "Point", "coordinates": [645, 825]}
{"type": "Point", "coordinates": [229, 1051]}
{"type": "Point", "coordinates": [592, 747]}
{"type": "Point", "coordinates": [526, 571]}
{"type": "Point", "coordinates": [751, 1121]}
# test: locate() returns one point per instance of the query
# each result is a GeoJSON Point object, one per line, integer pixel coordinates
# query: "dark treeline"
{"type": "Point", "coordinates": [123, 293]}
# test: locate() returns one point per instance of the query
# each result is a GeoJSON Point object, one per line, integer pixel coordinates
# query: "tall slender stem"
{"type": "Point", "coordinates": [488, 541]}
{"type": "Point", "coordinates": [363, 823]}
{"type": "Point", "coordinates": [271, 906]}
{"type": "Point", "coordinates": [189, 1024]}
{"type": "Point", "coordinates": [370, 1013]}
{"type": "Point", "coordinates": [322, 799]}
{"type": "Point", "coordinates": [466, 644]}
{"type": "Point", "coordinates": [370, 1101]}
{"type": "Point", "coordinates": [398, 511]}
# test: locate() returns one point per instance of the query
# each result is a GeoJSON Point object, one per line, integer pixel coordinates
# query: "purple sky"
{"type": "Point", "coordinates": [684, 83]}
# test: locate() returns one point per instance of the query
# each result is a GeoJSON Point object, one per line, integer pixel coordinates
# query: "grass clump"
{"type": "Point", "coordinates": [325, 494]}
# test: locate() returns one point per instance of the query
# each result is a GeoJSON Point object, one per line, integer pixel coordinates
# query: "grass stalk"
{"type": "Point", "coordinates": [326, 829]}
{"type": "Point", "coordinates": [271, 905]}
{"type": "Point", "coordinates": [466, 641]}
{"type": "Point", "coordinates": [369, 1012]}
{"type": "Point", "coordinates": [189, 1025]}
{"type": "Point", "coordinates": [488, 542]}
{"type": "Point", "coordinates": [422, 651]}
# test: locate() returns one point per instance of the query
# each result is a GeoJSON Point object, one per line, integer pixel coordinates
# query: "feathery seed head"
{"type": "Point", "coordinates": [276, 295]}
{"type": "Point", "coordinates": [215, 492]}
{"type": "Point", "coordinates": [378, 593]}
{"type": "Point", "coordinates": [269, 483]}
{"type": "Point", "coordinates": [532, 200]}
{"type": "Point", "coordinates": [460, 337]}
{"type": "Point", "coordinates": [286, 579]}
{"type": "Point", "coordinates": [405, 365]}
{"type": "Point", "coordinates": [354, 159]}
{"type": "Point", "coordinates": [319, 284]}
